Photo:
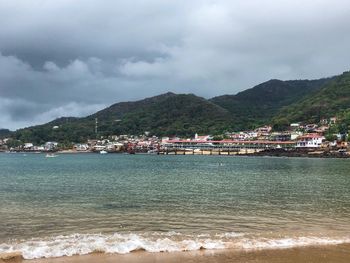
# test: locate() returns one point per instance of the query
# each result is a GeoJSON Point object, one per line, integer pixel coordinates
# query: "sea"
{"type": "Point", "coordinates": [76, 204]}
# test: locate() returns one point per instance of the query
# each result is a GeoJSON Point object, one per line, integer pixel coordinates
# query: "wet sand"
{"type": "Point", "coordinates": [320, 254]}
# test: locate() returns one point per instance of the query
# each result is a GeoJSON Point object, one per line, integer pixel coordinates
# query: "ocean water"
{"type": "Point", "coordinates": [116, 203]}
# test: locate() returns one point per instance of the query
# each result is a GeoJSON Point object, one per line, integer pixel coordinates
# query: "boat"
{"type": "Point", "coordinates": [51, 155]}
{"type": "Point", "coordinates": [103, 152]}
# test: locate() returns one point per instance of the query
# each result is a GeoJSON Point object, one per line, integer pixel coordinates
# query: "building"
{"type": "Point", "coordinates": [333, 120]}
{"type": "Point", "coordinates": [280, 136]}
{"type": "Point", "coordinates": [295, 126]}
{"type": "Point", "coordinates": [311, 140]}
{"type": "Point", "coordinates": [264, 129]}
{"type": "Point", "coordinates": [310, 127]}
{"type": "Point", "coordinates": [202, 137]}
{"type": "Point", "coordinates": [50, 146]}
{"type": "Point", "coordinates": [81, 147]}
{"type": "Point", "coordinates": [28, 146]}
{"type": "Point", "coordinates": [226, 144]}
{"type": "Point", "coordinates": [295, 135]}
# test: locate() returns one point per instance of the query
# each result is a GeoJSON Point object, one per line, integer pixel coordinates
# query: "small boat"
{"type": "Point", "coordinates": [50, 155]}
{"type": "Point", "coordinates": [103, 152]}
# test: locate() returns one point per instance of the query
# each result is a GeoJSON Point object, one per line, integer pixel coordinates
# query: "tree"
{"type": "Point", "coordinates": [280, 124]}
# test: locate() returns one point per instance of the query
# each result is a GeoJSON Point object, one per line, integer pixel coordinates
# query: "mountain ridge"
{"type": "Point", "coordinates": [184, 114]}
{"type": "Point", "coordinates": [331, 100]}
{"type": "Point", "coordinates": [263, 101]}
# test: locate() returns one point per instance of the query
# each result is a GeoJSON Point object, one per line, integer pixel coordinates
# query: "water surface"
{"type": "Point", "coordinates": [76, 204]}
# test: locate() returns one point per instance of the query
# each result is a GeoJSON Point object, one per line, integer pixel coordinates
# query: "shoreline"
{"type": "Point", "coordinates": [311, 254]}
{"type": "Point", "coordinates": [303, 153]}
{"type": "Point", "coordinates": [264, 153]}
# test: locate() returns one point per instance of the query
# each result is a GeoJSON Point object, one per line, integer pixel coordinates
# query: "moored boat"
{"type": "Point", "coordinates": [51, 155]}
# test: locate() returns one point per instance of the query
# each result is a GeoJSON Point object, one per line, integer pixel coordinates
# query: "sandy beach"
{"type": "Point", "coordinates": [319, 254]}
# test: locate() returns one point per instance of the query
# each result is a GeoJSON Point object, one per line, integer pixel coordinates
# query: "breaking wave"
{"type": "Point", "coordinates": [81, 244]}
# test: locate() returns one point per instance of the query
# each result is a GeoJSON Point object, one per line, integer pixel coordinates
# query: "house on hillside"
{"type": "Point", "coordinates": [280, 136]}
{"type": "Point", "coordinates": [295, 126]}
{"type": "Point", "coordinates": [264, 129]}
{"type": "Point", "coordinates": [239, 136]}
{"type": "Point", "coordinates": [333, 120]}
{"type": "Point", "coordinates": [310, 127]}
{"type": "Point", "coordinates": [295, 135]}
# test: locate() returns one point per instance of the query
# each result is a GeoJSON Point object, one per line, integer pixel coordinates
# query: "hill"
{"type": "Point", "coordinates": [256, 106]}
{"type": "Point", "coordinates": [333, 99]}
{"type": "Point", "coordinates": [275, 101]}
{"type": "Point", "coordinates": [4, 133]}
{"type": "Point", "coordinates": [167, 114]}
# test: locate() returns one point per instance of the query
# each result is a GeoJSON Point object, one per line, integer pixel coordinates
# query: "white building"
{"type": "Point", "coordinates": [202, 137]}
{"type": "Point", "coordinates": [28, 146]}
{"type": "Point", "coordinates": [49, 146]}
{"type": "Point", "coordinates": [295, 135]}
{"type": "Point", "coordinates": [311, 140]}
{"type": "Point", "coordinates": [99, 147]}
{"type": "Point", "coordinates": [295, 125]}
{"type": "Point", "coordinates": [81, 147]}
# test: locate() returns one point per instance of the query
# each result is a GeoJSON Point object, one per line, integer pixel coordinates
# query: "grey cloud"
{"type": "Point", "coordinates": [74, 57]}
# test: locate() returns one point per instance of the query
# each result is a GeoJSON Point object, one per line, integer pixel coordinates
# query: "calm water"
{"type": "Point", "coordinates": [76, 204]}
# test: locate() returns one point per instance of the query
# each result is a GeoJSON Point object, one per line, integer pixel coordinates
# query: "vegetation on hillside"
{"type": "Point", "coordinates": [4, 133]}
{"type": "Point", "coordinates": [273, 102]}
{"type": "Point", "coordinates": [333, 99]}
{"type": "Point", "coordinates": [256, 106]}
{"type": "Point", "coordinates": [167, 114]}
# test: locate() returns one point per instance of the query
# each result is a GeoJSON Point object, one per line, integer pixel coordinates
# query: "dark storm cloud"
{"type": "Point", "coordinates": [74, 57]}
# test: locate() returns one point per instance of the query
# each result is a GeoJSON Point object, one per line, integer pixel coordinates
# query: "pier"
{"type": "Point", "coordinates": [224, 147]}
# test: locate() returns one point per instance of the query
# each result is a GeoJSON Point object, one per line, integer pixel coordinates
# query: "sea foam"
{"type": "Point", "coordinates": [81, 244]}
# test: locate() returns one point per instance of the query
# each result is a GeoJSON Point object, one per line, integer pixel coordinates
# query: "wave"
{"type": "Point", "coordinates": [82, 244]}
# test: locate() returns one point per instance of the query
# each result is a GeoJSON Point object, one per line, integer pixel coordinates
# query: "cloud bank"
{"type": "Point", "coordinates": [71, 58]}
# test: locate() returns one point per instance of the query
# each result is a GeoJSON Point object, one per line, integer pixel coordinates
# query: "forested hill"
{"type": "Point", "coordinates": [4, 133]}
{"type": "Point", "coordinates": [259, 104]}
{"type": "Point", "coordinates": [167, 114]}
{"type": "Point", "coordinates": [272, 102]}
{"type": "Point", "coordinates": [333, 99]}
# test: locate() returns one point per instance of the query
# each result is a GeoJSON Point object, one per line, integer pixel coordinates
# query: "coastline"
{"type": "Point", "coordinates": [319, 153]}
{"type": "Point", "coordinates": [311, 254]}
{"type": "Point", "coordinates": [301, 153]}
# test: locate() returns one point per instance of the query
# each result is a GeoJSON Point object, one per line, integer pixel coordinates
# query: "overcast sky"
{"type": "Point", "coordinates": [71, 58]}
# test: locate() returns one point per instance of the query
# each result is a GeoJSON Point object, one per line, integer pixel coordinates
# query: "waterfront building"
{"type": "Point", "coordinates": [311, 140]}
{"type": "Point", "coordinates": [226, 145]}
{"type": "Point", "coordinates": [28, 146]}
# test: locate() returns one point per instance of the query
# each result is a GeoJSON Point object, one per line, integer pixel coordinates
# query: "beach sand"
{"type": "Point", "coordinates": [320, 254]}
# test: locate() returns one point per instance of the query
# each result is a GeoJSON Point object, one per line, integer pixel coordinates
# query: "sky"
{"type": "Point", "coordinates": [72, 58]}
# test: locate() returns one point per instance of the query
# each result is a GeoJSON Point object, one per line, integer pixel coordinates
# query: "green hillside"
{"type": "Point", "coordinates": [332, 100]}
{"type": "Point", "coordinates": [167, 114]}
{"type": "Point", "coordinates": [275, 101]}
{"type": "Point", "coordinates": [256, 106]}
{"type": "Point", "coordinates": [4, 133]}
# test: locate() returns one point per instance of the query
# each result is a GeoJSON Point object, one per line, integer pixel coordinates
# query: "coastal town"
{"type": "Point", "coordinates": [314, 140]}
